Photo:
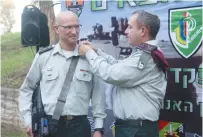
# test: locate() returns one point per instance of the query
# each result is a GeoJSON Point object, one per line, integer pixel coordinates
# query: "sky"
{"type": "Point", "coordinates": [19, 6]}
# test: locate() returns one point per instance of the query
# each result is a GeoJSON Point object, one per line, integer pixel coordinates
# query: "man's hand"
{"type": "Point", "coordinates": [90, 44]}
{"type": "Point", "coordinates": [29, 132]}
{"type": "Point", "coordinates": [97, 134]}
{"type": "Point", "coordinates": [84, 47]}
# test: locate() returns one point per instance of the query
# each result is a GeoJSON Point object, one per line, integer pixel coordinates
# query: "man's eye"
{"type": "Point", "coordinates": [77, 26]}
{"type": "Point", "coordinates": [68, 27]}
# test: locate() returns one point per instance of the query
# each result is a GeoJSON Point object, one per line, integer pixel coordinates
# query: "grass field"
{"type": "Point", "coordinates": [15, 63]}
{"type": "Point", "coordinates": [15, 60]}
{"type": "Point", "coordinates": [11, 131]}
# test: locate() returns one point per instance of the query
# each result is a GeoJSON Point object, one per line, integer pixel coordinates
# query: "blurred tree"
{"type": "Point", "coordinates": [7, 14]}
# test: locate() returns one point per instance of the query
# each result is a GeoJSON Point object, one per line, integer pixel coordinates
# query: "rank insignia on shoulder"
{"type": "Point", "coordinates": [43, 50]}
{"type": "Point", "coordinates": [146, 54]}
{"type": "Point", "coordinates": [141, 65]}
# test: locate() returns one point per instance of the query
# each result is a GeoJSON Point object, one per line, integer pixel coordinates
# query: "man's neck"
{"type": "Point", "coordinates": [142, 41]}
{"type": "Point", "coordinates": [67, 47]}
{"type": "Point", "coordinates": [147, 39]}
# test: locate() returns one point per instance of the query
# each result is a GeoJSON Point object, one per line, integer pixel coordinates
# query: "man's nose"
{"type": "Point", "coordinates": [74, 30]}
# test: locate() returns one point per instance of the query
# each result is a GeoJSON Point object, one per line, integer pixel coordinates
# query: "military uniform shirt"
{"type": "Point", "coordinates": [140, 92]}
{"type": "Point", "coordinates": [50, 69]}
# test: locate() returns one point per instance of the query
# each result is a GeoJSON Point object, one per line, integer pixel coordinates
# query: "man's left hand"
{"type": "Point", "coordinates": [97, 134]}
{"type": "Point", "coordinates": [84, 48]}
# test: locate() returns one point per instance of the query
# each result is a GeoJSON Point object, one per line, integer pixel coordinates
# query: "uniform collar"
{"type": "Point", "coordinates": [57, 49]}
{"type": "Point", "coordinates": [152, 42]}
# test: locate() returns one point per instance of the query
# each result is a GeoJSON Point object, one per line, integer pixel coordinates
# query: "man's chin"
{"type": "Point", "coordinates": [72, 41]}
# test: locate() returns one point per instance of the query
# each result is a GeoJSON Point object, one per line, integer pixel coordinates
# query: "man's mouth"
{"type": "Point", "coordinates": [73, 37]}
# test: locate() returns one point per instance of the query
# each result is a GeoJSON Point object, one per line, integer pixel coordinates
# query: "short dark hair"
{"type": "Point", "coordinates": [152, 22]}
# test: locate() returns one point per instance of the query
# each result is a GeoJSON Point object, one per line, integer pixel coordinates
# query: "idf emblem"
{"type": "Point", "coordinates": [75, 6]}
{"type": "Point", "coordinates": [185, 30]}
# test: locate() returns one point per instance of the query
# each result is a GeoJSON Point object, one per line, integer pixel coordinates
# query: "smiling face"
{"type": "Point", "coordinates": [68, 28]}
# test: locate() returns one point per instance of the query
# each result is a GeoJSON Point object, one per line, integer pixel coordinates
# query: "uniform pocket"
{"type": "Point", "coordinates": [84, 76]}
{"type": "Point", "coordinates": [50, 75]}
{"type": "Point", "coordinates": [83, 84]}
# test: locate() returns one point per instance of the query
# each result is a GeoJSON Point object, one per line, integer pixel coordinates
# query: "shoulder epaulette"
{"type": "Point", "coordinates": [43, 50]}
{"type": "Point", "coordinates": [146, 55]}
{"type": "Point", "coordinates": [147, 47]}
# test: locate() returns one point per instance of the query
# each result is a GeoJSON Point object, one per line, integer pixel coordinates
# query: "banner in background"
{"type": "Point", "coordinates": [180, 38]}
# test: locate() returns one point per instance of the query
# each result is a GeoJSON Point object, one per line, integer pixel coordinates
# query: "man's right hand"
{"type": "Point", "coordinates": [29, 132]}
{"type": "Point", "coordinates": [86, 42]}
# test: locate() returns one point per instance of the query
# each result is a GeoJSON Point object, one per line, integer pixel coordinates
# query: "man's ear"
{"type": "Point", "coordinates": [56, 29]}
{"type": "Point", "coordinates": [144, 31]}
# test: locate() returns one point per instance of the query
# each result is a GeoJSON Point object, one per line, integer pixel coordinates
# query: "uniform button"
{"type": "Point", "coordinates": [49, 69]}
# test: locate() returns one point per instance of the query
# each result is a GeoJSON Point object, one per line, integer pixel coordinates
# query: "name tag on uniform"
{"type": "Point", "coordinates": [84, 70]}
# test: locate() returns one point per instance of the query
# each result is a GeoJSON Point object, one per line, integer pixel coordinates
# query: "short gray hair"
{"type": "Point", "coordinates": [152, 22]}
